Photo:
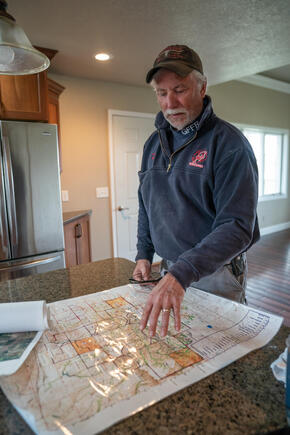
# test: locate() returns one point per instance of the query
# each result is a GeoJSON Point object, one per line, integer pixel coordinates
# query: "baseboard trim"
{"type": "Point", "coordinates": [275, 228]}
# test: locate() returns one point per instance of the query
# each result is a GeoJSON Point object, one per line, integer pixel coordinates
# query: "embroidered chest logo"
{"type": "Point", "coordinates": [153, 156]}
{"type": "Point", "coordinates": [198, 158]}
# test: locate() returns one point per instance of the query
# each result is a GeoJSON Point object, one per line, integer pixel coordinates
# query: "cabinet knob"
{"type": "Point", "coordinates": [121, 208]}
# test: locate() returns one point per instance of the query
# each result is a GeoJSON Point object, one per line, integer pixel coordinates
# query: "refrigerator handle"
{"type": "Point", "coordinates": [10, 191]}
{"type": "Point", "coordinates": [27, 265]}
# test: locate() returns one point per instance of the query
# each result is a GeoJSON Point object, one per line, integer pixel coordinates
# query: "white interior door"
{"type": "Point", "coordinates": [128, 135]}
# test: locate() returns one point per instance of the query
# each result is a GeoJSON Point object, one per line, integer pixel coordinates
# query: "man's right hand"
{"type": "Point", "coordinates": [142, 271]}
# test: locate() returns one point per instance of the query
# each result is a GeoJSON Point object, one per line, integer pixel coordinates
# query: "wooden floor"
{"type": "Point", "coordinates": [269, 274]}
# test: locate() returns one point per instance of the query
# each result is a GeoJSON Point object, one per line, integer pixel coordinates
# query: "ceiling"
{"type": "Point", "coordinates": [234, 38]}
{"type": "Point", "coordinates": [282, 73]}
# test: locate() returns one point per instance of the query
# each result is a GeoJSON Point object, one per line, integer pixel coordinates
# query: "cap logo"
{"type": "Point", "coordinates": [173, 53]}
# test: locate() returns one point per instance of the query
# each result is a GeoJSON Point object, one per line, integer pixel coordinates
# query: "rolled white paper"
{"type": "Point", "coordinates": [23, 316]}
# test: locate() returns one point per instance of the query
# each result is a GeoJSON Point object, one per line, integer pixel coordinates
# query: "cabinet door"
{"type": "Point", "coordinates": [83, 242]}
{"type": "Point", "coordinates": [77, 242]}
{"type": "Point", "coordinates": [24, 97]}
{"type": "Point", "coordinates": [70, 244]}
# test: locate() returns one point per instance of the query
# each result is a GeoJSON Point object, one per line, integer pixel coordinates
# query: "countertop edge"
{"type": "Point", "coordinates": [70, 216]}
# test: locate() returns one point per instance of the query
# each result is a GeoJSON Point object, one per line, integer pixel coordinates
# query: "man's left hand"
{"type": "Point", "coordinates": [167, 294]}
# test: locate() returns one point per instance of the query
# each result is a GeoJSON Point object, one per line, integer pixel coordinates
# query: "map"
{"type": "Point", "coordinates": [95, 366]}
{"type": "Point", "coordinates": [13, 345]}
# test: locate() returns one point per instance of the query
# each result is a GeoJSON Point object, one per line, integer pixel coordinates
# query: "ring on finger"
{"type": "Point", "coordinates": [166, 310]}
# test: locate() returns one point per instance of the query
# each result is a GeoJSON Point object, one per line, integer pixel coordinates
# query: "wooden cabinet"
{"type": "Point", "coordinates": [33, 97]}
{"type": "Point", "coordinates": [77, 240]}
{"type": "Point", "coordinates": [54, 91]}
{"type": "Point", "coordinates": [24, 97]}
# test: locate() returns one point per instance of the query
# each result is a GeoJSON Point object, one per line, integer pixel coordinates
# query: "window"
{"type": "Point", "coordinates": [271, 150]}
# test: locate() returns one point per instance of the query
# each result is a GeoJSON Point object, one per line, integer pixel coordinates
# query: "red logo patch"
{"type": "Point", "coordinates": [197, 158]}
{"type": "Point", "coordinates": [153, 156]}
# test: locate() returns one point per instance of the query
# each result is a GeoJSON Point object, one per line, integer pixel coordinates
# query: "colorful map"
{"type": "Point", "coordinates": [95, 367]}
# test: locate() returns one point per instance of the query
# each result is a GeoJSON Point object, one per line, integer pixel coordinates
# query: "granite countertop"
{"type": "Point", "coordinates": [243, 398]}
{"type": "Point", "coordinates": [70, 216]}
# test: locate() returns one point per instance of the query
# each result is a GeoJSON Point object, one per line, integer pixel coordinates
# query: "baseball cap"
{"type": "Point", "coordinates": [177, 58]}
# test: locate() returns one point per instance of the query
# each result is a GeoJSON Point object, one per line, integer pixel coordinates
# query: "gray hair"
{"type": "Point", "coordinates": [200, 78]}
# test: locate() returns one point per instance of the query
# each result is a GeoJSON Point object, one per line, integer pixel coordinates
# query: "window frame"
{"type": "Point", "coordinates": [284, 181]}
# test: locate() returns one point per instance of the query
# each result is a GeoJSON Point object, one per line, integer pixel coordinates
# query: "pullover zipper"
{"type": "Point", "coordinates": [179, 149]}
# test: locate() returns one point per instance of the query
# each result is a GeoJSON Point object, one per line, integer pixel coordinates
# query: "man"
{"type": "Point", "coordinates": [197, 196]}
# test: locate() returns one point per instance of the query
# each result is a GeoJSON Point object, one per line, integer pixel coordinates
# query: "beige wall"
{"type": "Point", "coordinates": [84, 134]}
{"type": "Point", "coordinates": [247, 104]}
{"type": "Point", "coordinates": [84, 140]}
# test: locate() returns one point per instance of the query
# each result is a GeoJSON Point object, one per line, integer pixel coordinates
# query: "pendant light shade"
{"type": "Point", "coordinates": [17, 55]}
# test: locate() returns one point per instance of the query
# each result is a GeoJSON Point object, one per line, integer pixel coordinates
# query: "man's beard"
{"type": "Point", "coordinates": [179, 124]}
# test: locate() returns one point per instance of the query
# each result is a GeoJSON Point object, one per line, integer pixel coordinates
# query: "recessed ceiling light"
{"type": "Point", "coordinates": [102, 56]}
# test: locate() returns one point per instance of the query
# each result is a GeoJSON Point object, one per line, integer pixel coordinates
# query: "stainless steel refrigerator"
{"type": "Point", "coordinates": [31, 228]}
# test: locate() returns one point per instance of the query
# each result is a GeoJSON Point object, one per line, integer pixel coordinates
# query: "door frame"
{"type": "Point", "coordinates": [111, 113]}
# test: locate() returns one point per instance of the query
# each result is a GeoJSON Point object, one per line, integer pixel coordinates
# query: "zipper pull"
{"type": "Point", "coordinates": [169, 166]}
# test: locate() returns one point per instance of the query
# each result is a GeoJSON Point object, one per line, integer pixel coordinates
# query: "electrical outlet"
{"type": "Point", "coordinates": [64, 195]}
{"type": "Point", "coordinates": [102, 192]}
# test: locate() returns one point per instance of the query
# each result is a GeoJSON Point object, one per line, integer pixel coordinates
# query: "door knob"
{"type": "Point", "coordinates": [121, 208]}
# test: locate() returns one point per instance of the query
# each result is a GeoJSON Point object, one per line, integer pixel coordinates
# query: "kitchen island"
{"type": "Point", "coordinates": [243, 398]}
